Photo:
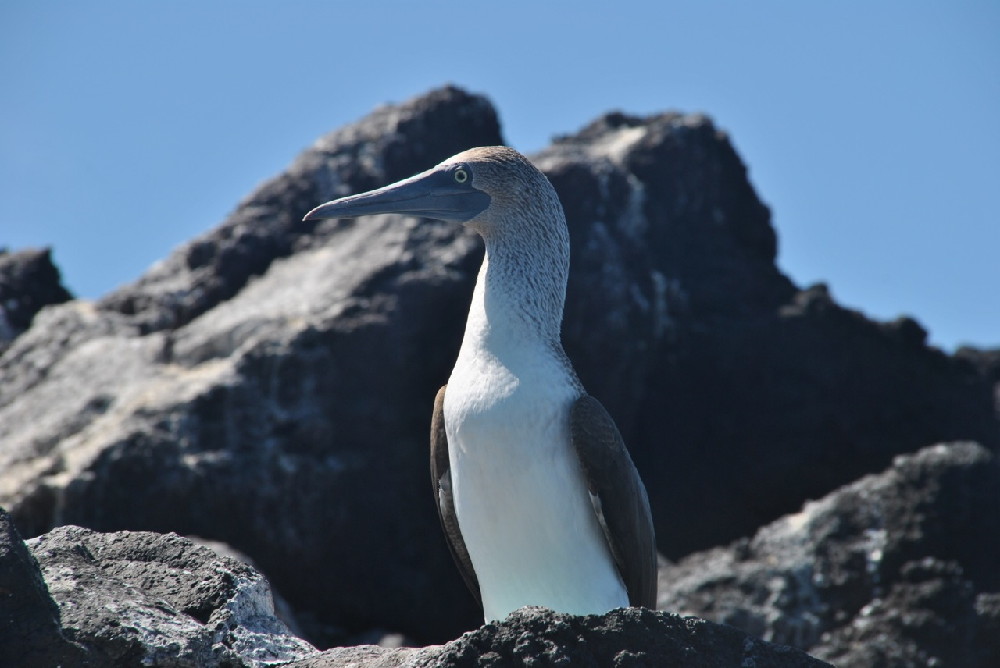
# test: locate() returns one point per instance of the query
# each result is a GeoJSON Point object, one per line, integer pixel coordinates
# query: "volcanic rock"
{"type": "Point", "coordinates": [139, 598]}
{"type": "Point", "coordinates": [625, 637]}
{"type": "Point", "coordinates": [131, 598]}
{"type": "Point", "coordinates": [29, 281]}
{"type": "Point", "coordinates": [896, 569]}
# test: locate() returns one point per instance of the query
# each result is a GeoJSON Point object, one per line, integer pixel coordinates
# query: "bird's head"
{"type": "Point", "coordinates": [483, 188]}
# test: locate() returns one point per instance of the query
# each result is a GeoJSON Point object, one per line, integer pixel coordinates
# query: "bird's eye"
{"type": "Point", "coordinates": [461, 176]}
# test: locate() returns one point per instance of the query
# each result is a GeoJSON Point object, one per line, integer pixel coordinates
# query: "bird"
{"type": "Point", "coordinates": [537, 494]}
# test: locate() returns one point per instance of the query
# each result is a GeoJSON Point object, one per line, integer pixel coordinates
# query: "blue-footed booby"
{"type": "Point", "coordinates": [537, 494]}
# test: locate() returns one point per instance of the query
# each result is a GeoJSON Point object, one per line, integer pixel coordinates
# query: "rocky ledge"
{"type": "Point", "coordinates": [75, 597]}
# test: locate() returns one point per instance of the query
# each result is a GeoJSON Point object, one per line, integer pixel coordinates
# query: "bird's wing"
{"type": "Point", "coordinates": [619, 498]}
{"type": "Point", "coordinates": [441, 482]}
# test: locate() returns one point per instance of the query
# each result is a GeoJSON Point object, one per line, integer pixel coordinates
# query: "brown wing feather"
{"type": "Point", "coordinates": [441, 483]}
{"type": "Point", "coordinates": [621, 498]}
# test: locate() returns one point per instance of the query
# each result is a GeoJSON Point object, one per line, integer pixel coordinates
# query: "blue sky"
{"type": "Point", "coordinates": [872, 129]}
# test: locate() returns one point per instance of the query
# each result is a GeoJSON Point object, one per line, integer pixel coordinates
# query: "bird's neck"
{"type": "Point", "coordinates": [518, 300]}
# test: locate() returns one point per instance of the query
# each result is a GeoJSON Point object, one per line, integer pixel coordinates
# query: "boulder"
{"type": "Point", "coordinates": [139, 598]}
{"type": "Point", "coordinates": [895, 569]}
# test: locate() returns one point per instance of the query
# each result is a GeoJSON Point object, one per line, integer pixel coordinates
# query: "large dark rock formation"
{"type": "Point", "coordinates": [739, 394]}
{"type": "Point", "coordinates": [265, 386]}
{"type": "Point", "coordinates": [269, 384]}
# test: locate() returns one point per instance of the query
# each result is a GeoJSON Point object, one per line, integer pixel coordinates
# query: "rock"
{"type": "Point", "coordinates": [732, 386]}
{"type": "Point", "coordinates": [896, 569]}
{"type": "Point", "coordinates": [539, 637]}
{"type": "Point", "coordinates": [282, 609]}
{"type": "Point", "coordinates": [393, 142]}
{"type": "Point", "coordinates": [134, 598]}
{"type": "Point", "coordinates": [131, 598]}
{"type": "Point", "coordinates": [29, 281]}
{"type": "Point", "coordinates": [269, 384]}
{"type": "Point", "coordinates": [30, 628]}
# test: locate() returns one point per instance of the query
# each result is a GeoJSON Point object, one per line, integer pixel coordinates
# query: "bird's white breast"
{"type": "Point", "coordinates": [520, 497]}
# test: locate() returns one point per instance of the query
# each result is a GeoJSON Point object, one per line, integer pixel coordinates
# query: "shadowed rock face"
{"type": "Point", "coordinates": [31, 631]}
{"type": "Point", "coordinates": [269, 384]}
{"type": "Point", "coordinates": [28, 283]}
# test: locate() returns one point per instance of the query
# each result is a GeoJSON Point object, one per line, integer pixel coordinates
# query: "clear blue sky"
{"type": "Point", "coordinates": [872, 129]}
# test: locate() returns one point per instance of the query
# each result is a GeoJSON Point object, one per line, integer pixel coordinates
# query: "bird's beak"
{"type": "Point", "coordinates": [431, 194]}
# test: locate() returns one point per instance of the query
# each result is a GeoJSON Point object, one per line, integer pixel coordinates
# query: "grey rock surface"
{"type": "Point", "coordinates": [139, 598]}
{"type": "Point", "coordinates": [269, 384]}
{"type": "Point", "coordinates": [539, 637]}
{"type": "Point", "coordinates": [897, 569]}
